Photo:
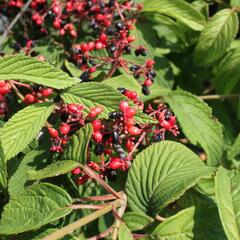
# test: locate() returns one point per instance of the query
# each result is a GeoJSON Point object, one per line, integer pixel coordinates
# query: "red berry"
{"type": "Point", "coordinates": [84, 47]}
{"type": "Point", "coordinates": [92, 69]}
{"type": "Point", "coordinates": [46, 92]}
{"type": "Point", "coordinates": [103, 38]}
{"type": "Point", "coordinates": [97, 124]}
{"type": "Point", "coordinates": [53, 132]}
{"type": "Point", "coordinates": [134, 130]}
{"type": "Point", "coordinates": [150, 63]}
{"type": "Point", "coordinates": [29, 98]}
{"type": "Point", "coordinates": [172, 120]}
{"type": "Point", "coordinates": [148, 82]}
{"type": "Point", "coordinates": [115, 163]}
{"type": "Point", "coordinates": [82, 180]}
{"type": "Point", "coordinates": [57, 23]}
{"type": "Point", "coordinates": [56, 9]}
{"type": "Point", "coordinates": [97, 136]}
{"type": "Point", "coordinates": [123, 106]}
{"type": "Point", "coordinates": [99, 45]}
{"type": "Point", "coordinates": [91, 46]}
{"type": "Point", "coordinates": [130, 112]}
{"type": "Point", "coordinates": [165, 124]}
{"type": "Point", "coordinates": [65, 129]}
{"type": "Point", "coordinates": [4, 90]}
{"type": "Point", "coordinates": [76, 171]}
{"type": "Point", "coordinates": [129, 145]}
{"type": "Point", "coordinates": [129, 122]}
{"type": "Point", "coordinates": [131, 39]}
{"type": "Point", "coordinates": [95, 112]}
{"type": "Point", "coordinates": [72, 108]}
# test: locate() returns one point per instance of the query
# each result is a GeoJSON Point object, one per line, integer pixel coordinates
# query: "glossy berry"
{"type": "Point", "coordinates": [134, 130]}
{"type": "Point", "coordinates": [72, 108]}
{"type": "Point", "coordinates": [97, 136]}
{"type": "Point", "coordinates": [116, 163]}
{"type": "Point", "coordinates": [85, 76]}
{"type": "Point", "coordinates": [124, 106]}
{"type": "Point", "coordinates": [29, 99]}
{"type": "Point", "coordinates": [53, 132]}
{"type": "Point", "coordinates": [130, 112]}
{"type": "Point", "coordinates": [76, 171]}
{"type": "Point", "coordinates": [115, 115]}
{"type": "Point", "coordinates": [119, 26]}
{"type": "Point", "coordinates": [97, 124]}
{"type": "Point", "coordinates": [47, 92]}
{"type": "Point", "coordinates": [94, 112]}
{"type": "Point", "coordinates": [145, 90]}
{"type": "Point", "coordinates": [158, 137]}
{"type": "Point", "coordinates": [65, 129]}
{"type": "Point", "coordinates": [148, 82]}
{"type": "Point", "coordinates": [111, 175]}
{"type": "Point", "coordinates": [166, 125]}
{"type": "Point", "coordinates": [99, 149]}
{"type": "Point", "coordinates": [150, 63]}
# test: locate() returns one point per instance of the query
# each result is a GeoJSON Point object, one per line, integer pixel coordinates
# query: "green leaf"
{"type": "Point", "coordinates": [191, 223]}
{"type": "Point", "coordinates": [23, 68]}
{"type": "Point", "coordinates": [94, 94]}
{"type": "Point", "coordinates": [3, 170]}
{"type": "Point", "coordinates": [75, 72]}
{"type": "Point", "coordinates": [124, 233]}
{"type": "Point", "coordinates": [216, 37]}
{"type": "Point", "coordinates": [36, 206]}
{"type": "Point", "coordinates": [23, 127]}
{"type": "Point", "coordinates": [53, 170]}
{"type": "Point", "coordinates": [235, 3]}
{"type": "Point", "coordinates": [196, 121]}
{"type": "Point", "coordinates": [136, 220]}
{"type": "Point", "coordinates": [228, 200]}
{"type": "Point", "coordinates": [19, 179]}
{"type": "Point", "coordinates": [162, 173]}
{"type": "Point", "coordinates": [78, 145]}
{"type": "Point", "coordinates": [227, 72]}
{"type": "Point", "coordinates": [234, 149]}
{"type": "Point", "coordinates": [178, 9]}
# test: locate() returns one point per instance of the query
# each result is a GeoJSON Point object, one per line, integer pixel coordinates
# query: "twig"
{"type": "Point", "coordinates": [15, 89]}
{"type": "Point", "coordinates": [14, 21]}
{"type": "Point", "coordinates": [136, 145]}
{"type": "Point", "coordinates": [108, 197]}
{"type": "Point", "coordinates": [112, 70]}
{"type": "Point", "coordinates": [216, 96]}
{"type": "Point", "coordinates": [159, 218]}
{"type": "Point", "coordinates": [87, 206]}
{"type": "Point", "coordinates": [101, 181]}
{"type": "Point", "coordinates": [81, 222]}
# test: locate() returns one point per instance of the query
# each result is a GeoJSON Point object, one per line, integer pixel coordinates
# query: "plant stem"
{"type": "Point", "coordinates": [14, 21]}
{"type": "Point", "coordinates": [108, 197]}
{"type": "Point", "coordinates": [81, 222]}
{"type": "Point", "coordinates": [112, 70]}
{"type": "Point", "coordinates": [216, 97]}
{"type": "Point", "coordinates": [101, 235]}
{"type": "Point", "coordinates": [159, 218]}
{"type": "Point", "coordinates": [15, 89]}
{"type": "Point", "coordinates": [101, 181]}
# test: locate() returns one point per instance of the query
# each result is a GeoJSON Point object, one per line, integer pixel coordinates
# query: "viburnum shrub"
{"type": "Point", "coordinates": [119, 119]}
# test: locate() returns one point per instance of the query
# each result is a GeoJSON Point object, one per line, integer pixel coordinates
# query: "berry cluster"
{"type": "Point", "coordinates": [5, 88]}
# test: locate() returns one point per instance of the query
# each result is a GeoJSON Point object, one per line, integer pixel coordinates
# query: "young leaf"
{"type": "Point", "coordinates": [228, 200]}
{"type": "Point", "coordinates": [18, 180]}
{"type": "Point", "coordinates": [23, 68]}
{"type": "Point", "coordinates": [197, 124]}
{"type": "Point", "coordinates": [136, 220]}
{"type": "Point", "coordinates": [216, 37]}
{"type": "Point", "coordinates": [36, 206]}
{"type": "Point", "coordinates": [191, 223]}
{"type": "Point", "coordinates": [227, 72]}
{"type": "Point", "coordinates": [161, 174]}
{"type": "Point", "coordinates": [124, 233]}
{"type": "Point", "coordinates": [20, 130]}
{"type": "Point", "coordinates": [77, 148]}
{"type": "Point", "coordinates": [178, 9]}
{"type": "Point", "coordinates": [53, 170]}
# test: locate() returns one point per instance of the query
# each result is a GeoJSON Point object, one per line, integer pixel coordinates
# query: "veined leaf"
{"type": "Point", "coordinates": [3, 169]}
{"type": "Point", "coordinates": [36, 206]}
{"type": "Point", "coordinates": [227, 72]}
{"type": "Point", "coordinates": [53, 170]}
{"type": "Point", "coordinates": [216, 37]}
{"type": "Point", "coordinates": [228, 200]}
{"type": "Point", "coordinates": [23, 68]}
{"type": "Point", "coordinates": [234, 149]}
{"type": "Point", "coordinates": [195, 118]}
{"type": "Point", "coordinates": [32, 160]}
{"type": "Point", "coordinates": [78, 145]}
{"type": "Point", "coordinates": [124, 233]}
{"type": "Point", "coordinates": [20, 130]}
{"type": "Point", "coordinates": [160, 174]}
{"type": "Point", "coordinates": [191, 223]}
{"type": "Point", "coordinates": [177, 9]}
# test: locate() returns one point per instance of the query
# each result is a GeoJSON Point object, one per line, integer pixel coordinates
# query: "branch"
{"type": "Point", "coordinates": [81, 222]}
{"type": "Point", "coordinates": [216, 97]}
{"type": "Point", "coordinates": [14, 21]}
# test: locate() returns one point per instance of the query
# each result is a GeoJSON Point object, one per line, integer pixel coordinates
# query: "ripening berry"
{"type": "Point", "coordinates": [29, 98]}
{"type": "Point", "coordinates": [76, 171]}
{"type": "Point", "coordinates": [103, 38]}
{"type": "Point", "coordinates": [72, 108]}
{"type": "Point", "coordinates": [131, 39]}
{"type": "Point", "coordinates": [57, 23]}
{"type": "Point", "coordinates": [172, 120]}
{"type": "Point", "coordinates": [82, 180]}
{"type": "Point", "coordinates": [129, 122]}
{"type": "Point", "coordinates": [46, 92]}
{"type": "Point", "coordinates": [97, 136]}
{"type": "Point", "coordinates": [53, 132]}
{"type": "Point", "coordinates": [115, 163]}
{"type": "Point", "coordinates": [92, 69]}
{"type": "Point", "coordinates": [130, 112]}
{"type": "Point", "coordinates": [99, 45]}
{"type": "Point", "coordinates": [65, 129]}
{"type": "Point", "coordinates": [148, 82]}
{"type": "Point", "coordinates": [94, 112]}
{"type": "Point", "coordinates": [4, 89]}
{"type": "Point", "coordinates": [56, 9]}
{"type": "Point", "coordinates": [73, 33]}
{"type": "Point", "coordinates": [97, 124]}
{"type": "Point", "coordinates": [84, 47]}
{"type": "Point", "coordinates": [129, 145]}
{"type": "Point", "coordinates": [166, 125]}
{"type": "Point", "coordinates": [134, 130]}
{"type": "Point", "coordinates": [150, 63]}
{"type": "Point", "coordinates": [123, 106]}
